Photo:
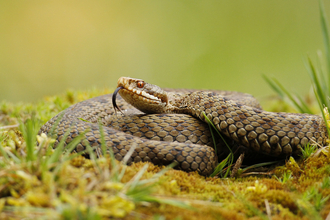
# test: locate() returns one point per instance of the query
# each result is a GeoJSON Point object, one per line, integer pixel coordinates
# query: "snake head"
{"type": "Point", "coordinates": [146, 97]}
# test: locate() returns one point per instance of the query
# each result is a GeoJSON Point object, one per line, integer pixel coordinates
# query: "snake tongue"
{"type": "Point", "coordinates": [114, 104]}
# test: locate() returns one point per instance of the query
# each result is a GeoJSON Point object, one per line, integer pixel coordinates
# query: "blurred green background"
{"type": "Point", "coordinates": [47, 47]}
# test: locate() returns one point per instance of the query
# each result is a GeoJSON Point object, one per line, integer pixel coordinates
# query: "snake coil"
{"type": "Point", "coordinates": [174, 128]}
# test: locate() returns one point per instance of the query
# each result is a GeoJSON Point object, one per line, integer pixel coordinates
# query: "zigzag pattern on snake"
{"type": "Point", "coordinates": [178, 132]}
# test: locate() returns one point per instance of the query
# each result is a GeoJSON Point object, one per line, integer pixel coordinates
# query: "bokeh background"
{"type": "Point", "coordinates": [47, 47]}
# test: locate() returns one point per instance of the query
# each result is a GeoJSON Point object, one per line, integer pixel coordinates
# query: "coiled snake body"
{"type": "Point", "coordinates": [179, 117]}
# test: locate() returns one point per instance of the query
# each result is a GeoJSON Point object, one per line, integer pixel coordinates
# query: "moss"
{"type": "Point", "coordinates": [202, 211]}
{"type": "Point", "coordinates": [272, 184]}
{"type": "Point", "coordinates": [83, 187]}
{"type": "Point", "coordinates": [286, 199]}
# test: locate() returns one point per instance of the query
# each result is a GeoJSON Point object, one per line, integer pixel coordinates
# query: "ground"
{"type": "Point", "coordinates": [39, 182]}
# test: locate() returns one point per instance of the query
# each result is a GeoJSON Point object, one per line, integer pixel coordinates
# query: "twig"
{"type": "Point", "coordinates": [9, 126]}
{"type": "Point", "coordinates": [268, 210]}
{"type": "Point", "coordinates": [328, 217]}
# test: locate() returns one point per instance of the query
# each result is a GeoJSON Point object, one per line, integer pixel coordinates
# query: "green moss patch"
{"type": "Point", "coordinates": [72, 187]}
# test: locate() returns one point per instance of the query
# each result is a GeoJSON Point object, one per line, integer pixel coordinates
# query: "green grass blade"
{"type": "Point", "coordinates": [325, 34]}
{"type": "Point", "coordinates": [29, 132]}
{"type": "Point", "coordinates": [4, 154]}
{"type": "Point", "coordinates": [59, 149]}
{"type": "Point", "coordinates": [304, 104]}
{"type": "Point", "coordinates": [118, 177]}
{"type": "Point", "coordinates": [106, 149]}
{"type": "Point", "coordinates": [172, 202]}
{"type": "Point", "coordinates": [316, 82]}
{"type": "Point", "coordinates": [282, 92]}
{"type": "Point", "coordinates": [322, 70]}
{"type": "Point", "coordinates": [211, 123]}
{"type": "Point", "coordinates": [221, 166]}
{"type": "Point", "coordinates": [134, 182]}
{"type": "Point", "coordinates": [254, 210]}
{"type": "Point", "coordinates": [157, 175]}
{"type": "Point", "coordinates": [274, 86]}
{"type": "Point", "coordinates": [259, 165]}
{"type": "Point", "coordinates": [321, 106]}
{"type": "Point", "coordinates": [213, 139]}
{"type": "Point", "coordinates": [140, 190]}
{"type": "Point", "coordinates": [14, 157]}
{"type": "Point", "coordinates": [52, 131]}
{"type": "Point", "coordinates": [121, 174]}
{"type": "Point", "coordinates": [308, 150]}
{"type": "Point", "coordinates": [291, 98]}
{"type": "Point", "coordinates": [308, 209]}
{"type": "Point", "coordinates": [103, 144]}
{"type": "Point", "coordinates": [84, 120]}
{"type": "Point", "coordinates": [230, 157]}
{"type": "Point", "coordinates": [70, 157]}
{"type": "Point", "coordinates": [90, 151]}
{"type": "Point", "coordinates": [73, 144]}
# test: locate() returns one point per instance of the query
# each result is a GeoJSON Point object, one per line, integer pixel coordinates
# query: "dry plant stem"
{"type": "Point", "coordinates": [9, 127]}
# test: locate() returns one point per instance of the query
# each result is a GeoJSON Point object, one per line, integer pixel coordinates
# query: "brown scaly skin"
{"type": "Point", "coordinates": [188, 156]}
{"type": "Point", "coordinates": [191, 153]}
{"type": "Point", "coordinates": [270, 133]}
{"type": "Point", "coordinates": [123, 132]}
{"type": "Point", "coordinates": [275, 134]}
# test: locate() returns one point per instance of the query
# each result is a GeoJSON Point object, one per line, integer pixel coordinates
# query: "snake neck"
{"type": "Point", "coordinates": [177, 103]}
{"type": "Point", "coordinates": [195, 103]}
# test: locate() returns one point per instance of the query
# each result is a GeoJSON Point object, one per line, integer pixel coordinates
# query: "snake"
{"type": "Point", "coordinates": [165, 126]}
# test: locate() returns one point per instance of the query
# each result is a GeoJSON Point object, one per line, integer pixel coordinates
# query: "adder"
{"type": "Point", "coordinates": [170, 126]}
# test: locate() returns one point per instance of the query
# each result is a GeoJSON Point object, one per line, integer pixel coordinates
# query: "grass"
{"type": "Point", "coordinates": [48, 178]}
{"type": "Point", "coordinates": [308, 150]}
{"type": "Point", "coordinates": [319, 74]}
{"type": "Point", "coordinates": [285, 177]}
{"type": "Point", "coordinates": [223, 168]}
{"type": "Point", "coordinates": [227, 168]}
{"type": "Point", "coordinates": [42, 182]}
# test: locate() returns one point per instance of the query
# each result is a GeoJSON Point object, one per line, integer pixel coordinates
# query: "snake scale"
{"type": "Point", "coordinates": [174, 128]}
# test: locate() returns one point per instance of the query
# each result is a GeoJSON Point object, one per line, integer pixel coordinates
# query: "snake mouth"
{"type": "Point", "coordinates": [141, 88]}
{"type": "Point", "coordinates": [135, 96]}
{"type": "Point", "coordinates": [146, 97]}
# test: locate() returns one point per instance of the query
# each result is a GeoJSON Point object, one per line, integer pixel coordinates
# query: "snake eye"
{"type": "Point", "coordinates": [140, 84]}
